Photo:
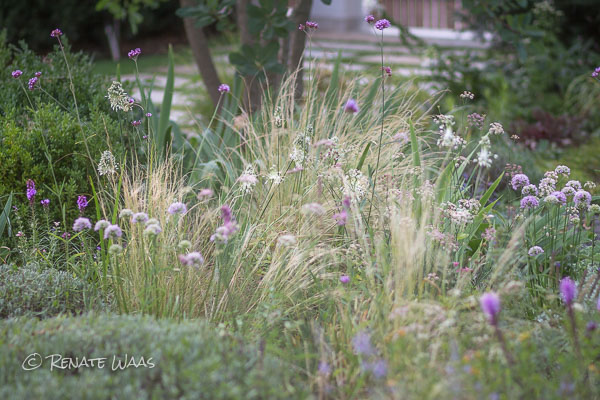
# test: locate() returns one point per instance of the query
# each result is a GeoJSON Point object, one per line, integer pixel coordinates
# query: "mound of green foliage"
{"type": "Point", "coordinates": [32, 291]}
{"type": "Point", "coordinates": [189, 360]}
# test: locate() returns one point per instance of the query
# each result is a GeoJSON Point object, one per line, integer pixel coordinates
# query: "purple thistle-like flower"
{"type": "Point", "coordinates": [344, 279]}
{"type": "Point", "coordinates": [113, 232]}
{"type": "Point", "coordinates": [568, 290]}
{"type": "Point", "coordinates": [81, 224]}
{"type": "Point", "coordinates": [177, 208]}
{"type": "Point", "coordinates": [351, 106]}
{"type": "Point", "coordinates": [369, 19]}
{"type": "Point", "coordinates": [382, 24]}
{"type": "Point", "coordinates": [490, 305]}
{"type": "Point", "coordinates": [31, 190]}
{"type": "Point", "coordinates": [341, 218]}
{"type": "Point", "coordinates": [529, 202]}
{"type": "Point", "coordinates": [519, 181]}
{"type": "Point", "coordinates": [56, 33]}
{"type": "Point", "coordinates": [16, 73]}
{"type": "Point", "coordinates": [133, 54]}
{"type": "Point", "coordinates": [45, 203]}
{"type": "Point", "coordinates": [82, 203]}
{"type": "Point", "coordinates": [362, 344]}
{"type": "Point", "coordinates": [582, 197]}
{"type": "Point", "coordinates": [224, 88]}
{"type": "Point", "coordinates": [32, 82]}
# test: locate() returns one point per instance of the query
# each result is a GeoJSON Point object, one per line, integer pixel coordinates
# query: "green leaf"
{"type": "Point", "coordinates": [4, 217]}
{"type": "Point", "coordinates": [361, 161]}
{"type": "Point", "coordinates": [165, 109]}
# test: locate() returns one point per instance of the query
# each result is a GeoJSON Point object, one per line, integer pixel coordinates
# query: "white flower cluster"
{"type": "Point", "coordinates": [461, 213]}
{"type": "Point", "coordinates": [299, 154]}
{"type": "Point", "coordinates": [248, 179]}
{"type": "Point", "coordinates": [107, 164]}
{"type": "Point", "coordinates": [275, 176]}
{"type": "Point", "coordinates": [355, 184]}
{"type": "Point", "coordinates": [119, 100]}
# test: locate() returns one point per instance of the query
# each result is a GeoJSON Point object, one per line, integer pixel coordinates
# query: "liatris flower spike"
{"type": "Point", "coordinates": [568, 291]}
{"type": "Point", "coordinates": [82, 203]}
{"type": "Point", "coordinates": [490, 305]}
{"type": "Point", "coordinates": [31, 190]}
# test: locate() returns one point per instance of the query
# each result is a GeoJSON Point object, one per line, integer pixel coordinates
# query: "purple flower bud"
{"type": "Point", "coordinates": [45, 203]}
{"type": "Point", "coordinates": [568, 290]}
{"type": "Point", "coordinates": [351, 106]}
{"type": "Point", "coordinates": [382, 24]}
{"type": "Point", "coordinates": [490, 305]}
{"type": "Point", "coordinates": [387, 70]}
{"type": "Point", "coordinates": [16, 73]}
{"type": "Point", "coordinates": [224, 88]}
{"type": "Point", "coordinates": [344, 279]}
{"type": "Point", "coordinates": [56, 33]}
{"type": "Point", "coordinates": [148, 115]}
{"type": "Point", "coordinates": [38, 74]}
{"type": "Point", "coordinates": [369, 19]}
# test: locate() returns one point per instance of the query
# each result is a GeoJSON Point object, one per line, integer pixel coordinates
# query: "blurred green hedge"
{"type": "Point", "coordinates": [192, 360]}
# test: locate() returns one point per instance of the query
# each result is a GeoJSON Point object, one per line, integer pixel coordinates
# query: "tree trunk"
{"type": "Point", "coordinates": [113, 32]}
{"type": "Point", "coordinates": [298, 43]}
{"type": "Point", "coordinates": [253, 96]}
{"type": "Point", "coordinates": [201, 53]}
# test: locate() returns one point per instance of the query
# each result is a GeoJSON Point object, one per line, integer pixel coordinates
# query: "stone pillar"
{"type": "Point", "coordinates": [339, 16]}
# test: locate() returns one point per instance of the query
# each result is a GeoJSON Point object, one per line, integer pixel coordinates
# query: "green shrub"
{"type": "Point", "coordinates": [32, 291]}
{"type": "Point", "coordinates": [191, 360]}
{"type": "Point", "coordinates": [40, 134]}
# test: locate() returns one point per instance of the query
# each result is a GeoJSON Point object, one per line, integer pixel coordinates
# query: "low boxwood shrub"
{"type": "Point", "coordinates": [191, 360]}
{"type": "Point", "coordinates": [31, 291]}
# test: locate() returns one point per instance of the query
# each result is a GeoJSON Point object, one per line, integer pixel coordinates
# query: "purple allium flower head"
{"type": "Point", "coordinates": [136, 122]}
{"type": "Point", "coordinates": [177, 208]}
{"type": "Point", "coordinates": [351, 106]}
{"type": "Point", "coordinates": [56, 33]}
{"type": "Point", "coordinates": [32, 82]}
{"type": "Point", "coordinates": [224, 88]}
{"type": "Point", "coordinates": [139, 217]}
{"type": "Point", "coordinates": [45, 203]}
{"type": "Point", "coordinates": [148, 114]}
{"type": "Point", "coordinates": [193, 259]}
{"type": "Point", "coordinates": [568, 290]}
{"type": "Point", "coordinates": [38, 74]}
{"type": "Point", "coordinates": [16, 73]}
{"type": "Point", "coordinates": [369, 19]}
{"type": "Point", "coordinates": [344, 279]}
{"type": "Point", "coordinates": [113, 232]}
{"type": "Point", "coordinates": [324, 368]}
{"type": "Point", "coordinates": [82, 203]}
{"type": "Point", "coordinates": [596, 73]}
{"type": "Point", "coordinates": [562, 199]}
{"type": "Point", "coordinates": [582, 197]}
{"type": "Point", "coordinates": [535, 251]}
{"type": "Point", "coordinates": [529, 202]}
{"type": "Point", "coordinates": [81, 224]}
{"type": "Point", "coordinates": [312, 25]}
{"type": "Point", "coordinates": [382, 24]}
{"type": "Point", "coordinates": [490, 305]}
{"type": "Point", "coordinates": [133, 54]}
{"type": "Point", "coordinates": [101, 224]}
{"type": "Point", "coordinates": [362, 344]}
{"type": "Point", "coordinates": [519, 181]}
